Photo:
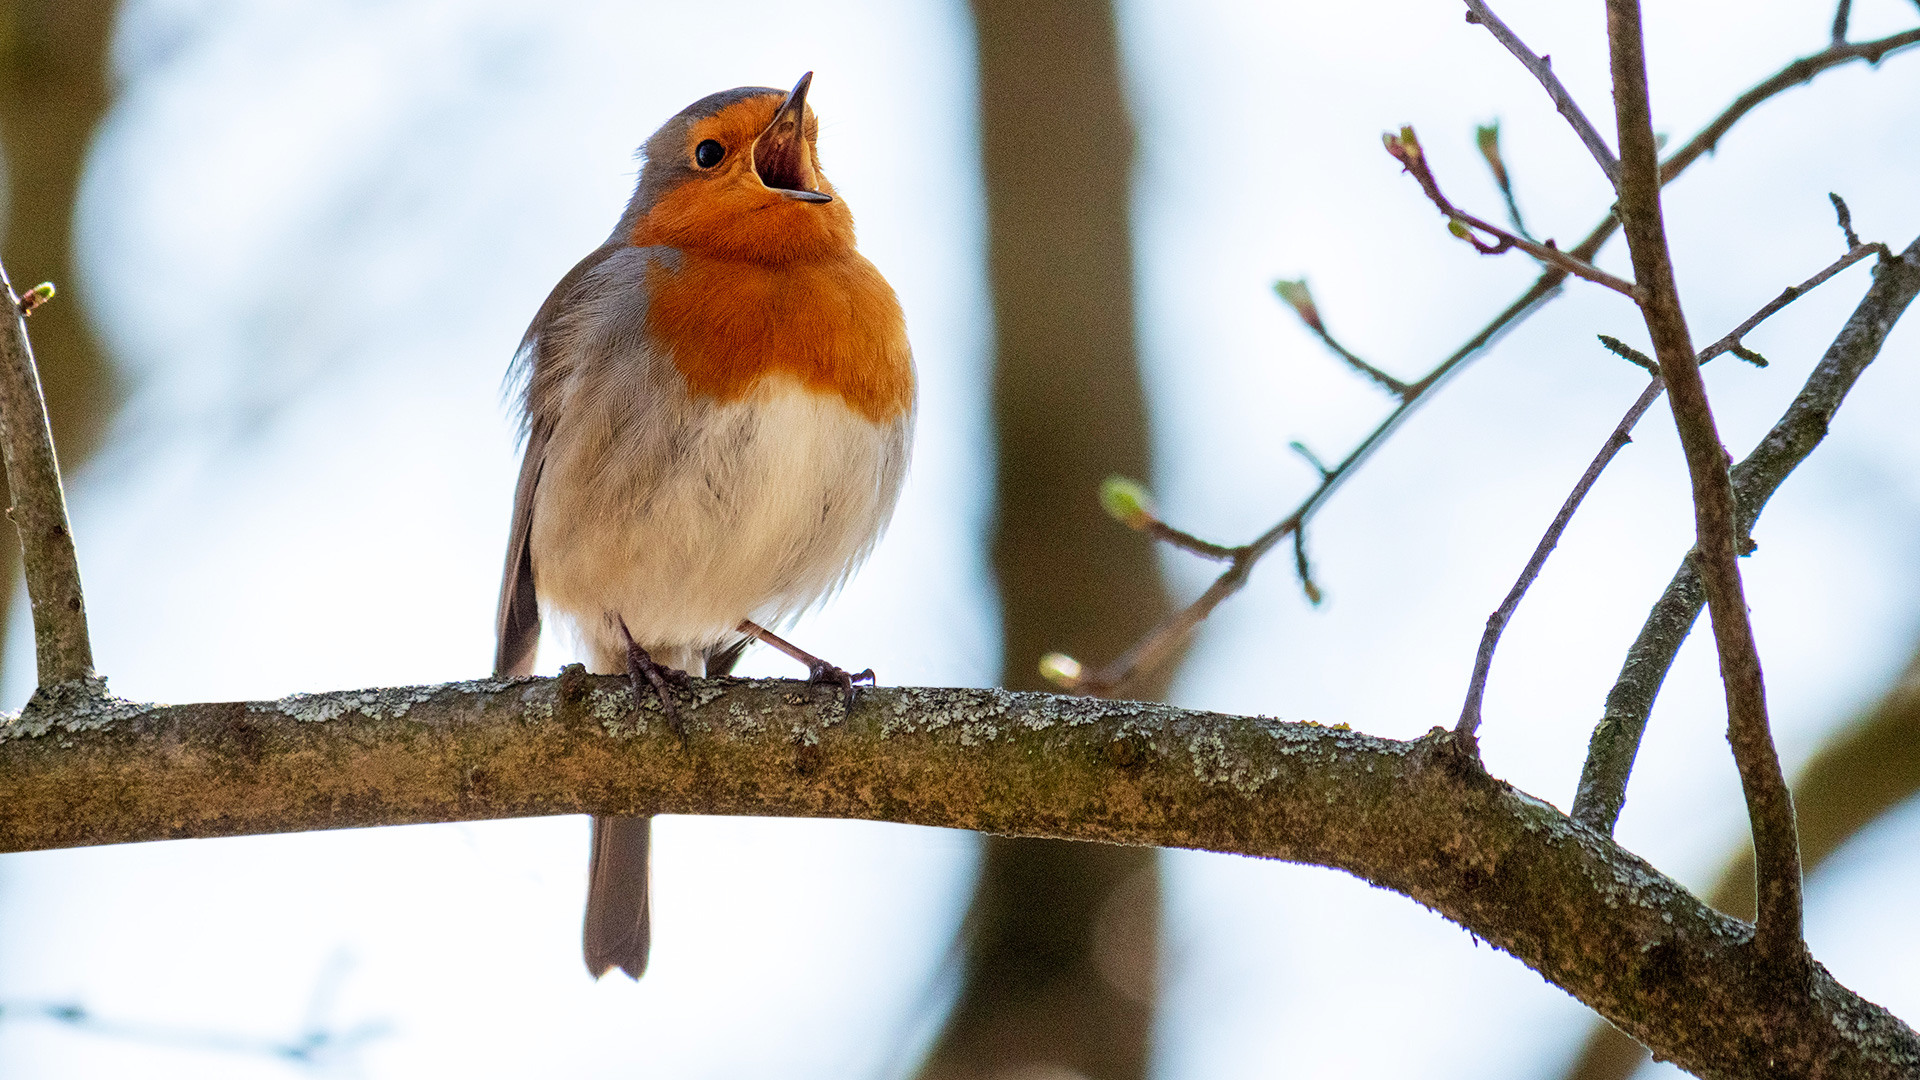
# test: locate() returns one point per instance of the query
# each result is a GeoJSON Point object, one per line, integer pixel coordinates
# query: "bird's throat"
{"type": "Point", "coordinates": [834, 326]}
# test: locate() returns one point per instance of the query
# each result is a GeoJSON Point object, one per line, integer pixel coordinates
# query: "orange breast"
{"type": "Point", "coordinates": [833, 325]}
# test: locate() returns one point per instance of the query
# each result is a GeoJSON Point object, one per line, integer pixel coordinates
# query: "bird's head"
{"type": "Point", "coordinates": [736, 175]}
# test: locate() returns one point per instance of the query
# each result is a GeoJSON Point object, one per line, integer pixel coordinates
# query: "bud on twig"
{"type": "Point", "coordinates": [1312, 458]}
{"type": "Point", "coordinates": [1061, 670]}
{"type": "Point", "coordinates": [1128, 502]}
{"type": "Point", "coordinates": [34, 297]}
{"type": "Point", "coordinates": [1487, 137]}
{"type": "Point", "coordinates": [1845, 218]}
{"type": "Point", "coordinates": [1630, 354]}
{"type": "Point", "coordinates": [1296, 296]}
{"type": "Point", "coordinates": [1305, 571]}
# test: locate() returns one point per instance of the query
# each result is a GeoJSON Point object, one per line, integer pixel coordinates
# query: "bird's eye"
{"type": "Point", "coordinates": [708, 154]}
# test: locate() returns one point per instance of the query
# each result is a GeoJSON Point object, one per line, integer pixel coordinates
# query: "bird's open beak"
{"type": "Point", "coordinates": [781, 157]}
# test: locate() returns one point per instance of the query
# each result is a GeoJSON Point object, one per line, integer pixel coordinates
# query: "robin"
{"type": "Point", "coordinates": [717, 404]}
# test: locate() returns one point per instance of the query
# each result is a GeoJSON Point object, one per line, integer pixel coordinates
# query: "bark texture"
{"type": "Point", "coordinates": [1864, 772]}
{"type": "Point", "coordinates": [1421, 818]}
{"type": "Point", "coordinates": [1718, 539]}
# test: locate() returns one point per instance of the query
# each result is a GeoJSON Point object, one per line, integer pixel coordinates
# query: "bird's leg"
{"type": "Point", "coordinates": [819, 670]}
{"type": "Point", "coordinates": [641, 666]}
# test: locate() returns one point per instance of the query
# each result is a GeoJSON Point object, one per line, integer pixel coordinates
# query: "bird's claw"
{"type": "Point", "coordinates": [825, 674]}
{"type": "Point", "coordinates": [642, 668]}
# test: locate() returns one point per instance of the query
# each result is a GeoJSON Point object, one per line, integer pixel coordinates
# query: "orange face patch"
{"type": "Point", "coordinates": [833, 325]}
{"type": "Point", "coordinates": [725, 210]}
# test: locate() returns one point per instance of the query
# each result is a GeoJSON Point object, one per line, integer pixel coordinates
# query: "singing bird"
{"type": "Point", "coordinates": [718, 403]}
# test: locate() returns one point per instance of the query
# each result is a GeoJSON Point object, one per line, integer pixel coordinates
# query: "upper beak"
{"type": "Point", "coordinates": [781, 156]}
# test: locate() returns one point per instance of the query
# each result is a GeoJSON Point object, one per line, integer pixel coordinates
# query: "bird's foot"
{"type": "Point", "coordinates": [643, 669]}
{"type": "Point", "coordinates": [825, 674]}
{"type": "Point", "coordinates": [820, 673]}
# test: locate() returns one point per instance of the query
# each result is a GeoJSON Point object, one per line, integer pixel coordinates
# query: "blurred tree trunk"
{"type": "Point", "coordinates": [1864, 771]}
{"type": "Point", "coordinates": [1062, 938]}
{"type": "Point", "coordinates": [53, 92]}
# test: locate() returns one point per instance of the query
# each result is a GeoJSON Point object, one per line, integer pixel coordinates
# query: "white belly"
{"type": "Point", "coordinates": [753, 509]}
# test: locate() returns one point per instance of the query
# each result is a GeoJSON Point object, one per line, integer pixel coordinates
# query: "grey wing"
{"type": "Point", "coordinates": [517, 627]}
{"type": "Point", "coordinates": [540, 366]}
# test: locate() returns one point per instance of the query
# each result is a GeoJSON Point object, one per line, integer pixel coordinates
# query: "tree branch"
{"type": "Point", "coordinates": [1419, 817]}
{"type": "Point", "coordinates": [1542, 69]}
{"type": "Point", "coordinates": [1799, 71]}
{"type": "Point", "coordinates": [1616, 738]}
{"type": "Point", "coordinates": [1165, 639]}
{"type": "Point", "coordinates": [1732, 342]}
{"type": "Point", "coordinates": [1718, 538]}
{"type": "Point", "coordinates": [1469, 722]}
{"type": "Point", "coordinates": [61, 648]}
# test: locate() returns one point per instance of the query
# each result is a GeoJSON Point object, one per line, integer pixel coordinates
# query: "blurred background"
{"type": "Point", "coordinates": [296, 244]}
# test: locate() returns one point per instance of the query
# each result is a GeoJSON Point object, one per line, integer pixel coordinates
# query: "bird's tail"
{"type": "Point", "coordinates": [619, 923]}
{"type": "Point", "coordinates": [618, 927]}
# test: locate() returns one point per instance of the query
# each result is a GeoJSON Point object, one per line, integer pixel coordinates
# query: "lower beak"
{"type": "Point", "coordinates": [781, 157]}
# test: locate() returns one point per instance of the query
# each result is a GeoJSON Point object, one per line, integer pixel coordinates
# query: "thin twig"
{"type": "Point", "coordinates": [1405, 148]}
{"type": "Point", "coordinates": [1164, 640]}
{"type": "Point", "coordinates": [62, 651]}
{"type": "Point", "coordinates": [1732, 342]}
{"type": "Point", "coordinates": [1718, 538]}
{"type": "Point", "coordinates": [1127, 502]}
{"type": "Point", "coordinates": [1297, 296]}
{"type": "Point", "coordinates": [1487, 138]}
{"type": "Point", "coordinates": [1630, 354]}
{"type": "Point", "coordinates": [1844, 218]}
{"type": "Point", "coordinates": [1616, 738]}
{"type": "Point", "coordinates": [1186, 541]}
{"type": "Point", "coordinates": [1303, 568]}
{"type": "Point", "coordinates": [1542, 69]}
{"type": "Point", "coordinates": [1842, 14]}
{"type": "Point", "coordinates": [1622, 434]}
{"type": "Point", "coordinates": [1799, 71]}
{"type": "Point", "coordinates": [1497, 622]}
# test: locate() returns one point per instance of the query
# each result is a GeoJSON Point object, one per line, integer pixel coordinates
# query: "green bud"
{"type": "Point", "coordinates": [1061, 670]}
{"type": "Point", "coordinates": [35, 296]}
{"type": "Point", "coordinates": [1127, 501]}
{"type": "Point", "coordinates": [1410, 142]}
{"type": "Point", "coordinates": [1457, 228]}
{"type": "Point", "coordinates": [1296, 296]}
{"type": "Point", "coordinates": [1487, 137]}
